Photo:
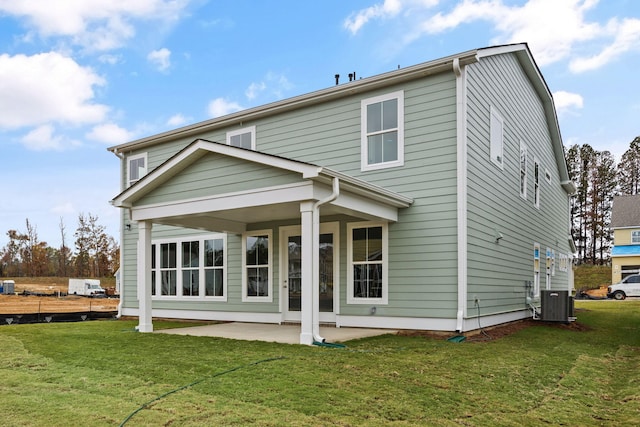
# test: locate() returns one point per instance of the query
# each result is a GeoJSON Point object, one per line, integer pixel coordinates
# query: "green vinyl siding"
{"type": "Point", "coordinates": [214, 174]}
{"type": "Point", "coordinates": [423, 244]}
{"type": "Point", "coordinates": [497, 271]}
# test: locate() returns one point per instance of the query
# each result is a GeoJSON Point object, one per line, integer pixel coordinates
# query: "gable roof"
{"type": "Point", "coordinates": [446, 64]}
{"type": "Point", "coordinates": [200, 147]}
{"type": "Point", "coordinates": [626, 211]}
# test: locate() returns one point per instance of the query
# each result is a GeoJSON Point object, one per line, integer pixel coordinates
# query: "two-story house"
{"type": "Point", "coordinates": [431, 197]}
{"type": "Point", "coordinates": [625, 221]}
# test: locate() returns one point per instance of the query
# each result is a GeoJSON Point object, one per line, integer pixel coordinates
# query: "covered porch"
{"type": "Point", "coordinates": [269, 189]}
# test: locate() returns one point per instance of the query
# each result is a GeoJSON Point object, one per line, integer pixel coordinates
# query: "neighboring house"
{"type": "Point", "coordinates": [432, 197]}
{"type": "Point", "coordinates": [625, 221]}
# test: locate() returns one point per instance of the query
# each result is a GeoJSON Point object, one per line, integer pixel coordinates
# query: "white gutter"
{"type": "Point", "coordinates": [461, 132]}
{"type": "Point", "coordinates": [315, 296]}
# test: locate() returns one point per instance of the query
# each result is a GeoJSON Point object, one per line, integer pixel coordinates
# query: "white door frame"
{"type": "Point", "coordinates": [296, 230]}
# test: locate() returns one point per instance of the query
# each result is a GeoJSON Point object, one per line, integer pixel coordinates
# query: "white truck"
{"type": "Point", "coordinates": [627, 287]}
{"type": "Point", "coordinates": [86, 287]}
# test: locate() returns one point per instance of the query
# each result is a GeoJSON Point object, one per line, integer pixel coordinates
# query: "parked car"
{"type": "Point", "coordinates": [627, 287]}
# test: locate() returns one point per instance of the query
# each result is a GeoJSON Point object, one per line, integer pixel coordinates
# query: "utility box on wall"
{"type": "Point", "coordinates": [557, 306]}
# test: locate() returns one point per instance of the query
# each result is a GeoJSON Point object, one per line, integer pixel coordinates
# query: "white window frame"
{"type": "Point", "coordinates": [385, 263]}
{"type": "Point", "coordinates": [536, 270]}
{"type": "Point", "coordinates": [156, 272]}
{"type": "Point", "coordinates": [635, 237]}
{"type": "Point", "coordinates": [496, 138]}
{"type": "Point", "coordinates": [250, 130]}
{"type": "Point", "coordinates": [245, 279]}
{"type": "Point", "coordinates": [141, 173]}
{"type": "Point", "coordinates": [523, 169]}
{"type": "Point", "coordinates": [536, 182]}
{"type": "Point", "coordinates": [364, 143]}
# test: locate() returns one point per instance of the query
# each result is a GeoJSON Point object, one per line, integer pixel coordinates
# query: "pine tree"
{"type": "Point", "coordinates": [629, 169]}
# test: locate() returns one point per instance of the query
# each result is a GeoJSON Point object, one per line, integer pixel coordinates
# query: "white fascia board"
{"type": "Point", "coordinates": [195, 151]}
{"type": "Point", "coordinates": [361, 206]}
{"type": "Point", "coordinates": [245, 199]}
{"type": "Point", "coordinates": [536, 78]}
{"type": "Point", "coordinates": [369, 190]}
{"type": "Point", "coordinates": [306, 169]}
{"type": "Point", "coordinates": [362, 85]}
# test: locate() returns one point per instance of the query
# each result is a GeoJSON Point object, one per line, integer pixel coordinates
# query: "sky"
{"type": "Point", "coordinates": [78, 76]}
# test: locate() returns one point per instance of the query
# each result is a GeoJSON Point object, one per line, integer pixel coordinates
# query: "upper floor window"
{"type": "Point", "coordinates": [367, 274]}
{"type": "Point", "coordinates": [536, 183]}
{"type": "Point", "coordinates": [635, 237]}
{"type": "Point", "coordinates": [243, 138]}
{"type": "Point", "coordinates": [382, 131]}
{"type": "Point", "coordinates": [496, 138]}
{"type": "Point", "coordinates": [523, 170]}
{"type": "Point", "coordinates": [136, 168]}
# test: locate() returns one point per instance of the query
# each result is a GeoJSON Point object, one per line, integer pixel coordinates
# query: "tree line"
{"type": "Point", "coordinates": [93, 254]}
{"type": "Point", "coordinates": [598, 179]}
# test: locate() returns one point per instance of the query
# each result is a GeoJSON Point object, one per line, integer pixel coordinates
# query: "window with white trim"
{"type": "Point", "coordinates": [214, 265]}
{"type": "Point", "coordinates": [256, 266]}
{"type": "Point", "coordinates": [382, 131]}
{"type": "Point", "coordinates": [136, 168]}
{"type": "Point", "coordinates": [367, 252]}
{"type": "Point", "coordinates": [536, 183]}
{"type": "Point", "coordinates": [190, 268]}
{"type": "Point", "coordinates": [536, 270]}
{"type": "Point", "coordinates": [635, 237]}
{"type": "Point", "coordinates": [523, 170]}
{"type": "Point", "coordinates": [168, 269]}
{"type": "Point", "coordinates": [243, 138]}
{"type": "Point", "coordinates": [496, 138]}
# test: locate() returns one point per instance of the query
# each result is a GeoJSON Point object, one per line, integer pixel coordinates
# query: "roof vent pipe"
{"type": "Point", "coordinates": [337, 79]}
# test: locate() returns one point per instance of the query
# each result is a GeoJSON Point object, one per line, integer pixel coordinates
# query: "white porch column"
{"type": "Point", "coordinates": [145, 322]}
{"type": "Point", "coordinates": [306, 309]}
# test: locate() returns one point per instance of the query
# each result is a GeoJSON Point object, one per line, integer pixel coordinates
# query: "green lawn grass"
{"type": "Point", "coordinates": [102, 373]}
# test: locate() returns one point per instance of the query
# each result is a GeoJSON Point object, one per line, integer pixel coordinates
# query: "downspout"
{"type": "Point", "coordinates": [316, 259]}
{"type": "Point", "coordinates": [120, 295]}
{"type": "Point", "coordinates": [461, 161]}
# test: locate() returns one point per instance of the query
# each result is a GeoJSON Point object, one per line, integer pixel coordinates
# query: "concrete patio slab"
{"type": "Point", "coordinates": [285, 334]}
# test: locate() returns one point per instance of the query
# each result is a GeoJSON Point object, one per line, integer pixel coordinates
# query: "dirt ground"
{"type": "Point", "coordinates": [19, 304]}
{"type": "Point", "coordinates": [500, 331]}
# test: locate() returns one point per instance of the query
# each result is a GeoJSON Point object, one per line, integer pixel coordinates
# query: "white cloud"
{"type": "Point", "coordinates": [220, 107]}
{"type": "Point", "coordinates": [550, 27]}
{"type": "Point", "coordinates": [43, 138]}
{"type": "Point", "coordinates": [254, 89]}
{"type": "Point", "coordinates": [358, 19]}
{"type": "Point", "coordinates": [567, 101]}
{"type": "Point", "coordinates": [110, 133]}
{"type": "Point", "coordinates": [110, 59]}
{"type": "Point", "coordinates": [177, 120]}
{"type": "Point", "coordinates": [96, 25]}
{"type": "Point", "coordinates": [626, 36]}
{"type": "Point", "coordinates": [276, 84]}
{"type": "Point", "coordinates": [555, 30]}
{"type": "Point", "coordinates": [160, 58]}
{"type": "Point", "coordinates": [47, 87]}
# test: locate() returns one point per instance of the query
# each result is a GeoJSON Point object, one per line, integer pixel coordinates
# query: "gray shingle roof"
{"type": "Point", "coordinates": [626, 211]}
